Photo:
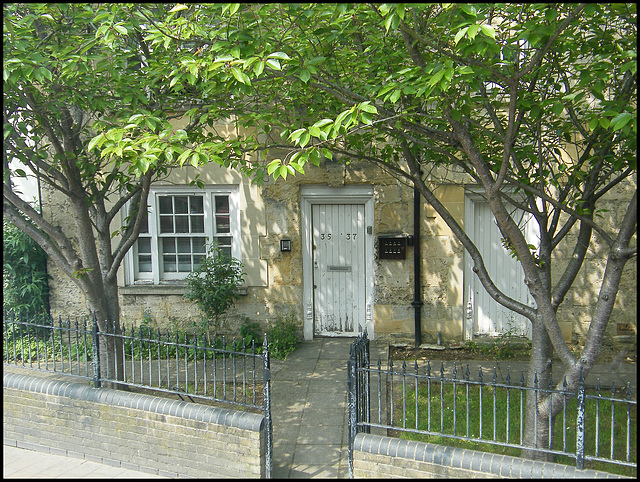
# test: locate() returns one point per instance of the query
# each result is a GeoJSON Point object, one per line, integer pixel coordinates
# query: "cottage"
{"type": "Point", "coordinates": [336, 249]}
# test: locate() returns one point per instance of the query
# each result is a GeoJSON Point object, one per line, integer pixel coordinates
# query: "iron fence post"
{"type": "Point", "coordinates": [580, 422]}
{"type": "Point", "coordinates": [351, 407]}
{"type": "Point", "coordinates": [96, 353]}
{"type": "Point", "coordinates": [267, 409]}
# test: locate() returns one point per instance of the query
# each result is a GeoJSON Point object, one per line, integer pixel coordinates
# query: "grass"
{"type": "Point", "coordinates": [436, 414]}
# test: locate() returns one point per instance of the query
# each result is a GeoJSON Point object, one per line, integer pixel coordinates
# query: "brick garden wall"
{"type": "Point", "coordinates": [376, 456]}
{"type": "Point", "coordinates": [140, 432]}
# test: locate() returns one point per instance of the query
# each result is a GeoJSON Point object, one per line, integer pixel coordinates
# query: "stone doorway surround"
{"type": "Point", "coordinates": [311, 195]}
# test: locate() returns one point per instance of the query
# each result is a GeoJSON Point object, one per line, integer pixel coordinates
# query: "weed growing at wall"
{"type": "Point", "coordinates": [250, 333]}
{"type": "Point", "coordinates": [283, 336]}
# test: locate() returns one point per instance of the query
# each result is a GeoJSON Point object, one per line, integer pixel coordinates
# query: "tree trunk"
{"type": "Point", "coordinates": [536, 429]}
{"type": "Point", "coordinates": [107, 310]}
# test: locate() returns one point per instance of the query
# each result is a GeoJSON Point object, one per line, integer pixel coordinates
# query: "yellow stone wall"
{"type": "Point", "coordinates": [274, 280]}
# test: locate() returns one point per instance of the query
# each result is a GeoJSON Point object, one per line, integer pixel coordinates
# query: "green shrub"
{"type": "Point", "coordinates": [214, 285]}
{"type": "Point", "coordinates": [283, 336]}
{"type": "Point", "coordinates": [24, 273]}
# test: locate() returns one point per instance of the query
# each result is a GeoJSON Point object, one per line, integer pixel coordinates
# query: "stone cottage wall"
{"type": "Point", "coordinates": [274, 279]}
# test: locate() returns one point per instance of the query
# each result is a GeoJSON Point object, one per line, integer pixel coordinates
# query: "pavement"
{"type": "Point", "coordinates": [308, 411]}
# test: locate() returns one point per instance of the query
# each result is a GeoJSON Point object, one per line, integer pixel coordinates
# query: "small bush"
{"type": "Point", "coordinates": [283, 336]}
{"type": "Point", "coordinates": [213, 285]}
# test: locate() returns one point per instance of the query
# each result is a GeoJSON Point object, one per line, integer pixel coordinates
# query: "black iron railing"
{"type": "Point", "coordinates": [453, 406]}
{"type": "Point", "coordinates": [186, 365]}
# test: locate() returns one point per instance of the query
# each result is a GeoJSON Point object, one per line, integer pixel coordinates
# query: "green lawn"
{"type": "Point", "coordinates": [470, 421]}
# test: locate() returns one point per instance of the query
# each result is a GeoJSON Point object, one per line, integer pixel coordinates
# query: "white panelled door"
{"type": "Point", "coordinates": [485, 315]}
{"type": "Point", "coordinates": [339, 280]}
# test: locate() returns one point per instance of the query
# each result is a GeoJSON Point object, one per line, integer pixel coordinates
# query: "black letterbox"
{"type": "Point", "coordinates": [392, 247]}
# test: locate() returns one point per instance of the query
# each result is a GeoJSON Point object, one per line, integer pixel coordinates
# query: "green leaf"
{"type": "Point", "coordinates": [323, 122]}
{"type": "Point", "coordinates": [488, 30]}
{"type": "Point", "coordinates": [621, 120]}
{"type": "Point", "coordinates": [367, 107]}
{"type": "Point", "coordinates": [297, 133]}
{"type": "Point", "coordinates": [461, 33]}
{"type": "Point", "coordinates": [388, 22]}
{"type": "Point", "coordinates": [436, 77]}
{"type": "Point", "coordinates": [604, 122]}
{"type": "Point", "coordinates": [96, 141]}
{"type": "Point", "coordinates": [258, 68]}
{"type": "Point", "coordinates": [278, 55]}
{"type": "Point", "coordinates": [473, 31]}
{"type": "Point", "coordinates": [273, 165]}
{"type": "Point", "coordinates": [557, 108]}
{"type": "Point", "coordinates": [304, 139]}
{"type": "Point", "coordinates": [274, 64]}
{"type": "Point", "coordinates": [178, 8]}
{"type": "Point", "coordinates": [305, 75]}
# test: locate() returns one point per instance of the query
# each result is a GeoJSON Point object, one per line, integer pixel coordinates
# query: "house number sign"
{"type": "Point", "coordinates": [348, 236]}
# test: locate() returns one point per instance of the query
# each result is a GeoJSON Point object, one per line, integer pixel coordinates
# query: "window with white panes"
{"type": "Point", "coordinates": [177, 228]}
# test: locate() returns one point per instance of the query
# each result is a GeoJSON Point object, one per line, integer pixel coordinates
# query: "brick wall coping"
{"type": "Point", "coordinates": [162, 406]}
{"type": "Point", "coordinates": [455, 457]}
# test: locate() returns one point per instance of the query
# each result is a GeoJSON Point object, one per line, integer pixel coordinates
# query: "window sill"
{"type": "Point", "coordinates": [163, 289]}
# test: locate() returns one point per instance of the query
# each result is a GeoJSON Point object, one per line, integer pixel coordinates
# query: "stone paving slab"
{"type": "Point", "coordinates": [19, 463]}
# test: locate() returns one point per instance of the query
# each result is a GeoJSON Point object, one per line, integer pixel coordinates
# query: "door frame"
{"type": "Point", "coordinates": [314, 194]}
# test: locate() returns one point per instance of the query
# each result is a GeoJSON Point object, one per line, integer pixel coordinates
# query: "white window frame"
{"type": "Point", "coordinates": [156, 277]}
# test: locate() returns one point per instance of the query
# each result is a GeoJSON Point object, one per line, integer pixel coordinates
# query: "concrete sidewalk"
{"type": "Point", "coordinates": [19, 463]}
{"type": "Point", "coordinates": [309, 413]}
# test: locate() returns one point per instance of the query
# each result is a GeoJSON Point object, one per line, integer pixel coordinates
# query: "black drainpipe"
{"type": "Point", "coordinates": [417, 264]}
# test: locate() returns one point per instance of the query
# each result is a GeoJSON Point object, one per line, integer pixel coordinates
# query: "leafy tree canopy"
{"type": "Point", "coordinates": [539, 99]}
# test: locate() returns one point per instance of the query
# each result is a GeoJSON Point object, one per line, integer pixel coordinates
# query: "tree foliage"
{"type": "Point", "coordinates": [87, 108]}
{"type": "Point", "coordinates": [532, 103]}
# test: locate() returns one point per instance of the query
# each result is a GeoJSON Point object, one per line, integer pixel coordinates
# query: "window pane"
{"type": "Point", "coordinates": [199, 245]}
{"type": "Point", "coordinates": [197, 224]}
{"type": "Point", "coordinates": [222, 204]}
{"type": "Point", "coordinates": [165, 205]}
{"type": "Point", "coordinates": [182, 224]}
{"type": "Point", "coordinates": [224, 241]}
{"type": "Point", "coordinates": [168, 245]}
{"type": "Point", "coordinates": [144, 263]}
{"type": "Point", "coordinates": [197, 259]}
{"type": "Point", "coordinates": [222, 224]}
{"type": "Point", "coordinates": [196, 204]}
{"type": "Point", "coordinates": [144, 245]}
{"type": "Point", "coordinates": [226, 251]}
{"type": "Point", "coordinates": [166, 224]}
{"type": "Point", "coordinates": [184, 263]}
{"type": "Point", "coordinates": [184, 245]}
{"type": "Point", "coordinates": [169, 263]}
{"type": "Point", "coordinates": [180, 204]}
{"type": "Point", "coordinates": [144, 227]}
